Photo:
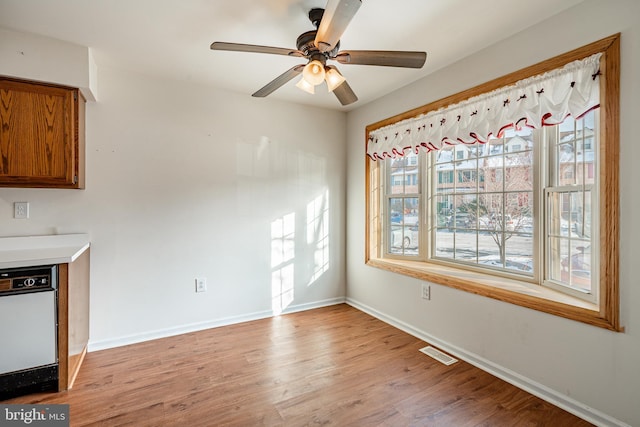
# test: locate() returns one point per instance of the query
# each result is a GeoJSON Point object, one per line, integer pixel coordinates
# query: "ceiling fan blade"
{"type": "Point", "coordinates": [278, 81]}
{"type": "Point", "coordinates": [386, 58]}
{"type": "Point", "coordinates": [337, 16]}
{"type": "Point", "coordinates": [345, 94]}
{"type": "Point", "coordinates": [240, 47]}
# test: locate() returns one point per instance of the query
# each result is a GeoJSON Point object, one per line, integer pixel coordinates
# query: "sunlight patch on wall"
{"type": "Point", "coordinates": [282, 262]}
{"type": "Point", "coordinates": [318, 234]}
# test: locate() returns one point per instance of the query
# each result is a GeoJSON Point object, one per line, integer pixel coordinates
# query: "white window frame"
{"type": "Point", "coordinates": [392, 250]}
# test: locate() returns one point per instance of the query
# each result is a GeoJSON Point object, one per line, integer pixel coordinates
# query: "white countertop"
{"type": "Point", "coordinates": [29, 251]}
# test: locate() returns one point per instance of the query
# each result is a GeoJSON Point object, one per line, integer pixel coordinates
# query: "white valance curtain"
{"type": "Point", "coordinates": [542, 100]}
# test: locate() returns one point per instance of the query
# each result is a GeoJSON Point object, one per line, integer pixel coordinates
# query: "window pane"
{"type": "Point", "coordinates": [405, 239]}
{"type": "Point", "coordinates": [569, 244]}
{"type": "Point", "coordinates": [581, 214]}
{"type": "Point", "coordinates": [466, 246]}
{"type": "Point", "coordinates": [444, 243]}
{"type": "Point", "coordinates": [395, 210]}
{"type": "Point", "coordinates": [519, 171]}
{"type": "Point", "coordinates": [397, 181]}
{"type": "Point", "coordinates": [488, 202]}
{"type": "Point", "coordinates": [518, 254]}
{"type": "Point", "coordinates": [558, 250]}
{"type": "Point", "coordinates": [445, 154]}
{"type": "Point", "coordinates": [403, 176]}
{"type": "Point", "coordinates": [521, 213]}
{"type": "Point", "coordinates": [402, 226]}
{"type": "Point", "coordinates": [489, 249]}
{"type": "Point", "coordinates": [403, 210]}
{"type": "Point", "coordinates": [489, 205]}
{"type": "Point", "coordinates": [411, 210]}
{"type": "Point", "coordinates": [578, 267]}
{"type": "Point", "coordinates": [558, 213]}
{"type": "Point", "coordinates": [575, 151]}
{"type": "Point", "coordinates": [395, 239]}
{"type": "Point", "coordinates": [570, 264]}
{"type": "Point", "coordinates": [442, 209]}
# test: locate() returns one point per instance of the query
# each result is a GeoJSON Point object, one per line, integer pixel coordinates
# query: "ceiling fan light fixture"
{"type": "Point", "coordinates": [306, 86]}
{"type": "Point", "coordinates": [324, 44]}
{"type": "Point", "coordinates": [333, 78]}
{"type": "Point", "coordinates": [313, 72]}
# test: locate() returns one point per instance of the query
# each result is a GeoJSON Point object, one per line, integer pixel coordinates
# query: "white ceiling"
{"type": "Point", "coordinates": [171, 38]}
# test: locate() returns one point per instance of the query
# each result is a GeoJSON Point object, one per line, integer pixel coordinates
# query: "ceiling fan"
{"type": "Point", "coordinates": [323, 44]}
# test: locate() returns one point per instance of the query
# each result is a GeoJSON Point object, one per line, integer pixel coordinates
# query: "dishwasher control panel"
{"type": "Point", "coordinates": [26, 279]}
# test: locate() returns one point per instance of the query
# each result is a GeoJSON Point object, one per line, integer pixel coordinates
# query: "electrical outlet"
{"type": "Point", "coordinates": [21, 210]}
{"type": "Point", "coordinates": [426, 291]}
{"type": "Point", "coordinates": [201, 284]}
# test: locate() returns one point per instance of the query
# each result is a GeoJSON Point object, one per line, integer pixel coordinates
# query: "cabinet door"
{"type": "Point", "coordinates": [39, 136]}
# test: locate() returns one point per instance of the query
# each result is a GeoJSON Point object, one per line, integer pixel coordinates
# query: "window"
{"type": "Point", "coordinates": [402, 203]}
{"type": "Point", "coordinates": [570, 195]}
{"type": "Point", "coordinates": [445, 177]}
{"type": "Point", "coordinates": [516, 215]}
{"type": "Point", "coordinates": [489, 222]}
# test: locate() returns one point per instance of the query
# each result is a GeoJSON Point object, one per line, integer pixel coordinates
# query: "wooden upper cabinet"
{"type": "Point", "coordinates": [41, 135]}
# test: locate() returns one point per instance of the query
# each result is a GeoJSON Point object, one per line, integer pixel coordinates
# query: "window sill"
{"type": "Point", "coordinates": [504, 289]}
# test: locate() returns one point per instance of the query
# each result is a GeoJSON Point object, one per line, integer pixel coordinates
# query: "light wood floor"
{"type": "Point", "coordinates": [332, 366]}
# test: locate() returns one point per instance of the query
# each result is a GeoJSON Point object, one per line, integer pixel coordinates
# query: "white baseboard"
{"type": "Point", "coordinates": [545, 393]}
{"type": "Point", "coordinates": [193, 327]}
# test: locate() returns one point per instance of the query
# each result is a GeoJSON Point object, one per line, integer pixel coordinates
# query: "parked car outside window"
{"type": "Point", "coordinates": [407, 240]}
{"type": "Point", "coordinates": [459, 220]}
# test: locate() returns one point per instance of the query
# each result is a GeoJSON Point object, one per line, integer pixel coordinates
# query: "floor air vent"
{"type": "Point", "coordinates": [438, 355]}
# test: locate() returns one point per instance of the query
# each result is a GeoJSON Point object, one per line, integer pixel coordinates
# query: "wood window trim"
{"type": "Point", "coordinates": [604, 315]}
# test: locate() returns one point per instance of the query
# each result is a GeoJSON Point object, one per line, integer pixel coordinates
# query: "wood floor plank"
{"type": "Point", "coordinates": [330, 366]}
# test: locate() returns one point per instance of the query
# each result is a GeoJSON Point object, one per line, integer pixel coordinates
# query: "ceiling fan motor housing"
{"type": "Point", "coordinates": [315, 16]}
{"type": "Point", "coordinates": [306, 41]}
{"type": "Point", "coordinates": [305, 44]}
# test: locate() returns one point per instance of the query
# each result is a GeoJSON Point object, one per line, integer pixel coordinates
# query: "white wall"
{"type": "Point", "coordinates": [185, 181]}
{"type": "Point", "coordinates": [587, 369]}
{"type": "Point", "coordinates": [39, 58]}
